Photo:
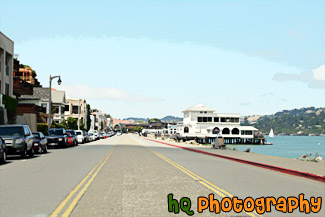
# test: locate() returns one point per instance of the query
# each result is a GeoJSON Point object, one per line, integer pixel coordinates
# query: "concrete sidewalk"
{"type": "Point", "coordinates": [292, 164]}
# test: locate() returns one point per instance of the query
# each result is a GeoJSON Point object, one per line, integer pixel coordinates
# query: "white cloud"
{"type": "Point", "coordinates": [88, 92]}
{"type": "Point", "coordinates": [319, 73]}
{"type": "Point", "coordinates": [316, 79]}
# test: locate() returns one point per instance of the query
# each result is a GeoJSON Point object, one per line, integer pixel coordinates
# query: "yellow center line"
{"type": "Point", "coordinates": [202, 181]}
{"type": "Point", "coordinates": [77, 198]}
{"type": "Point", "coordinates": [70, 195]}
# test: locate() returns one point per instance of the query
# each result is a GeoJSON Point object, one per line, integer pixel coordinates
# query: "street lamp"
{"type": "Point", "coordinates": [50, 98]}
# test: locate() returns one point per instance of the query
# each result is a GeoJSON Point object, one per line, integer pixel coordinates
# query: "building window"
{"type": "Point", "coordinates": [226, 131]}
{"type": "Point", "coordinates": [7, 70]}
{"type": "Point", "coordinates": [216, 130]}
{"type": "Point", "coordinates": [223, 119]}
{"type": "Point", "coordinates": [199, 119]}
{"type": "Point", "coordinates": [247, 132]}
{"type": "Point", "coordinates": [75, 109]}
{"type": "Point", "coordinates": [235, 131]}
{"type": "Point", "coordinates": [67, 108]}
{"type": "Point", "coordinates": [205, 119]}
{"type": "Point", "coordinates": [205, 112]}
{"type": "Point", "coordinates": [201, 112]}
{"type": "Point", "coordinates": [216, 119]}
{"type": "Point", "coordinates": [209, 119]}
{"type": "Point", "coordinates": [6, 89]}
{"type": "Point", "coordinates": [44, 105]}
{"type": "Point", "coordinates": [186, 130]}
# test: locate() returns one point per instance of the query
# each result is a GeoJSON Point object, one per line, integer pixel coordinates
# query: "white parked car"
{"type": "Point", "coordinates": [92, 137]}
{"type": "Point", "coordinates": [95, 132]}
{"type": "Point", "coordinates": [80, 136]}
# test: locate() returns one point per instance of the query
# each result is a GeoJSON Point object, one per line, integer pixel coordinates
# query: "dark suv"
{"type": "Point", "coordinates": [57, 137]}
{"type": "Point", "coordinates": [19, 139]}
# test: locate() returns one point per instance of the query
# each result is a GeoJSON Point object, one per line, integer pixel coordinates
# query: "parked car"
{"type": "Point", "coordinates": [57, 137]}
{"type": "Point", "coordinates": [74, 135]}
{"type": "Point", "coordinates": [101, 135]}
{"type": "Point", "coordinates": [85, 136]}
{"type": "Point", "coordinates": [40, 142]}
{"type": "Point", "coordinates": [80, 136]}
{"type": "Point", "coordinates": [19, 139]}
{"type": "Point", "coordinates": [92, 137]}
{"type": "Point", "coordinates": [71, 139]}
{"type": "Point", "coordinates": [3, 151]}
{"type": "Point", "coordinates": [95, 132]}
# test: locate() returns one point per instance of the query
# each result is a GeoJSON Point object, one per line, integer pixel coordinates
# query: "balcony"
{"type": "Point", "coordinates": [22, 87]}
{"type": "Point", "coordinates": [29, 108]}
{"type": "Point", "coordinates": [58, 116]}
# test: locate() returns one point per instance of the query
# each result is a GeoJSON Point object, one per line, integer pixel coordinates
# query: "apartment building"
{"type": "Point", "coordinates": [76, 108]}
{"type": "Point", "coordinates": [6, 72]}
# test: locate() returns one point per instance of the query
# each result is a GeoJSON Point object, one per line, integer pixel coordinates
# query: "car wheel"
{"type": "Point", "coordinates": [24, 152]}
{"type": "Point", "coordinates": [45, 149]}
{"type": "Point", "coordinates": [31, 152]}
{"type": "Point", "coordinates": [4, 157]}
{"type": "Point", "coordinates": [40, 149]}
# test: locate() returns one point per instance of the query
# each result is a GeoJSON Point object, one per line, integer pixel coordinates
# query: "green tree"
{"type": "Point", "coordinates": [71, 123]}
{"type": "Point", "coordinates": [101, 125]}
{"type": "Point", "coordinates": [153, 120]}
{"type": "Point", "coordinates": [36, 82]}
{"type": "Point", "coordinates": [138, 129]}
{"type": "Point", "coordinates": [88, 117]}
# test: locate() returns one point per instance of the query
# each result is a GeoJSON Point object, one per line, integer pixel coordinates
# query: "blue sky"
{"type": "Point", "coordinates": [157, 58]}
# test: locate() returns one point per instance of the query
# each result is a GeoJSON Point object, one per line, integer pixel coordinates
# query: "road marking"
{"type": "Point", "coordinates": [201, 180]}
{"type": "Point", "coordinates": [93, 174]}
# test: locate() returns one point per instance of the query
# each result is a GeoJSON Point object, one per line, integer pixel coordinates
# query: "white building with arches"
{"type": "Point", "coordinates": [201, 121]}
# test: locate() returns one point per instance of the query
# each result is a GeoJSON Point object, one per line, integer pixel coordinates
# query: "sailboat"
{"type": "Point", "coordinates": [271, 134]}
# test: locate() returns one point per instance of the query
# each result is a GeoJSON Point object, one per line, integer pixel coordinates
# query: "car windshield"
{"type": "Point", "coordinates": [36, 135]}
{"type": "Point", "coordinates": [11, 131]}
{"type": "Point", "coordinates": [72, 132]}
{"type": "Point", "coordinates": [56, 132]}
{"type": "Point", "coordinates": [78, 133]}
{"type": "Point", "coordinates": [90, 134]}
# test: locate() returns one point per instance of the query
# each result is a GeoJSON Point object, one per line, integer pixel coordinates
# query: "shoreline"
{"type": "Point", "coordinates": [316, 168]}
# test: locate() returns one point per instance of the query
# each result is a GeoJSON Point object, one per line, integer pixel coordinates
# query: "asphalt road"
{"type": "Point", "coordinates": [129, 176]}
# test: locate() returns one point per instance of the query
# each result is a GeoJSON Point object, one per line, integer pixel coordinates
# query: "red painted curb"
{"type": "Point", "coordinates": [266, 166]}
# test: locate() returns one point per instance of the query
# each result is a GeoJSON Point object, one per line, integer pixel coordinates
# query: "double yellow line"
{"type": "Point", "coordinates": [201, 180]}
{"type": "Point", "coordinates": [89, 178]}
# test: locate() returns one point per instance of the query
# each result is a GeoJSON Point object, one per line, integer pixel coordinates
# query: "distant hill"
{"type": "Point", "coordinates": [302, 121]}
{"type": "Point", "coordinates": [137, 119]}
{"type": "Point", "coordinates": [171, 118]}
{"type": "Point", "coordinates": [168, 118]}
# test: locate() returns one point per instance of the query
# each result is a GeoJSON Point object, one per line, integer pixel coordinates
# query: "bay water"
{"type": "Point", "coordinates": [288, 146]}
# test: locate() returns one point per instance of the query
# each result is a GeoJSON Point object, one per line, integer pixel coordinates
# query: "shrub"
{"type": "Point", "coordinates": [11, 104]}
{"type": "Point", "coordinates": [41, 127]}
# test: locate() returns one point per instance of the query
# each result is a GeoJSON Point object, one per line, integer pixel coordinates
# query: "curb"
{"type": "Point", "coordinates": [266, 166]}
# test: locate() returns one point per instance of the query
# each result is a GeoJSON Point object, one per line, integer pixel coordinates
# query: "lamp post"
{"type": "Point", "coordinates": [50, 98]}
